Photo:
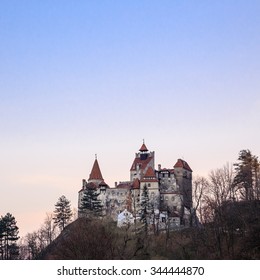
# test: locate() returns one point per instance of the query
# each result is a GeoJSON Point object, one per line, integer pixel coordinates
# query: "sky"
{"type": "Point", "coordinates": [79, 78]}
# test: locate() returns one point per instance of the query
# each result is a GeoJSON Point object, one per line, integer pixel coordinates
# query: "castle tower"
{"type": "Point", "coordinates": [95, 181]}
{"type": "Point", "coordinates": [141, 163]}
{"type": "Point", "coordinates": [183, 175]}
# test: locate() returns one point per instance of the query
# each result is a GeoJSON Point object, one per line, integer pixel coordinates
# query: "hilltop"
{"type": "Point", "coordinates": [88, 238]}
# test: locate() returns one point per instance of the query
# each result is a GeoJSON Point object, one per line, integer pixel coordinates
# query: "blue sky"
{"type": "Point", "coordinates": [84, 77]}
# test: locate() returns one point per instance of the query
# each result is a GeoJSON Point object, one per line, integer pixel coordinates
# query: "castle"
{"type": "Point", "coordinates": [169, 189]}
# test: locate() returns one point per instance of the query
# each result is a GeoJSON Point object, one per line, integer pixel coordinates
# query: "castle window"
{"type": "Point", "coordinates": [149, 185]}
{"type": "Point", "coordinates": [173, 198]}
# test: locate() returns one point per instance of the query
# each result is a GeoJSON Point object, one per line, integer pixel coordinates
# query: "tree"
{"type": "Point", "coordinates": [91, 204]}
{"type": "Point", "coordinates": [49, 228]}
{"type": "Point", "coordinates": [8, 237]}
{"type": "Point", "coordinates": [32, 245]}
{"type": "Point", "coordinates": [247, 173]}
{"type": "Point", "coordinates": [200, 185]}
{"type": "Point", "coordinates": [2, 238]}
{"type": "Point", "coordinates": [145, 207]}
{"type": "Point", "coordinates": [220, 193]}
{"type": "Point", "coordinates": [62, 212]}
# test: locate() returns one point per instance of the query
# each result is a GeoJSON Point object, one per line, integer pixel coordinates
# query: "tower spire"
{"type": "Point", "coordinates": [95, 172]}
{"type": "Point", "coordinates": [143, 147]}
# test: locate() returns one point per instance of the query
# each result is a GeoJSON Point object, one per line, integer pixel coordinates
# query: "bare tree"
{"type": "Point", "coordinates": [200, 186]}
{"type": "Point", "coordinates": [220, 192]}
{"type": "Point", "coordinates": [49, 228]}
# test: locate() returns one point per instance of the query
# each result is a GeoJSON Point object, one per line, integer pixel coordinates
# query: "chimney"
{"type": "Point", "coordinates": [159, 167]}
{"type": "Point", "coordinates": [115, 184]}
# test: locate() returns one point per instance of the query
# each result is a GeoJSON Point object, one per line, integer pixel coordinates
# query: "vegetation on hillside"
{"type": "Point", "coordinates": [225, 224]}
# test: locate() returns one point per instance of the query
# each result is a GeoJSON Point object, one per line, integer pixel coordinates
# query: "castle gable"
{"type": "Point", "coordinates": [149, 176]}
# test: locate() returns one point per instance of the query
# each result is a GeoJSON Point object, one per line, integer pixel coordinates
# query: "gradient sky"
{"type": "Point", "coordinates": [79, 78]}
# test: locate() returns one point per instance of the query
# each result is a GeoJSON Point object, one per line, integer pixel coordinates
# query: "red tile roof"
{"type": "Point", "coordinates": [182, 164]}
{"type": "Point", "coordinates": [149, 172]}
{"type": "Point", "coordinates": [149, 175]}
{"type": "Point", "coordinates": [124, 185]}
{"type": "Point", "coordinates": [136, 184]}
{"type": "Point", "coordinates": [143, 148]}
{"type": "Point", "coordinates": [142, 163]}
{"type": "Point", "coordinates": [95, 172]}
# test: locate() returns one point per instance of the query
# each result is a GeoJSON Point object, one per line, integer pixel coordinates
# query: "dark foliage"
{"type": "Point", "coordinates": [8, 238]}
{"type": "Point", "coordinates": [62, 212]}
{"type": "Point", "coordinates": [246, 179]}
{"type": "Point", "coordinates": [237, 238]}
{"type": "Point", "coordinates": [91, 204]}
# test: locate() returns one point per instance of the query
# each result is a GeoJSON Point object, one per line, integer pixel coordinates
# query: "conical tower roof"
{"type": "Point", "coordinates": [95, 172]}
{"type": "Point", "coordinates": [143, 148]}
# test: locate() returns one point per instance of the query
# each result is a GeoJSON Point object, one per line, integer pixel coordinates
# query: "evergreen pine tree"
{"type": "Point", "coordinates": [145, 209]}
{"type": "Point", "coordinates": [246, 179]}
{"type": "Point", "coordinates": [8, 237]}
{"type": "Point", "coordinates": [1, 239]}
{"type": "Point", "coordinates": [91, 204]}
{"type": "Point", "coordinates": [62, 212]}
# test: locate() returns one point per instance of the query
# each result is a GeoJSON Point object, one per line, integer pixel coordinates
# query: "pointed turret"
{"type": "Point", "coordinates": [143, 148]}
{"type": "Point", "coordinates": [95, 172]}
